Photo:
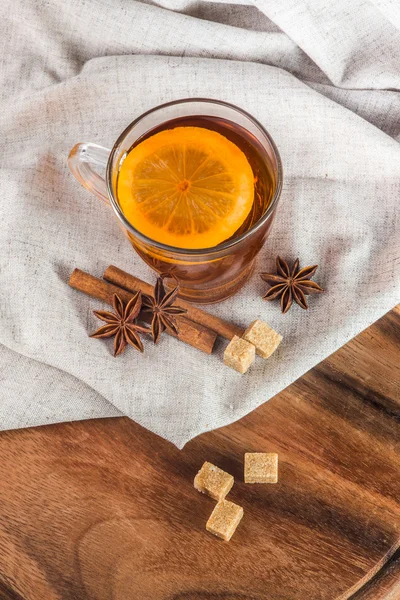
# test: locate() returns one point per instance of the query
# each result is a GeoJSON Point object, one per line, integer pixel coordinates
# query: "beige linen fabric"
{"type": "Point", "coordinates": [322, 77]}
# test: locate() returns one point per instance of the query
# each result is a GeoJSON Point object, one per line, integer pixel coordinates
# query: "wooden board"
{"type": "Point", "coordinates": [105, 510]}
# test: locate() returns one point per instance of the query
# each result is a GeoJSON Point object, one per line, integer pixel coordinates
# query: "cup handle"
{"type": "Point", "coordinates": [83, 161]}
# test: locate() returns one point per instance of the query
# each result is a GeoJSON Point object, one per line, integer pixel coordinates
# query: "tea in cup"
{"type": "Point", "coordinates": [195, 184]}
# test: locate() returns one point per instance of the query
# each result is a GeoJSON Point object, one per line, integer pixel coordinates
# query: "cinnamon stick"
{"type": "Point", "coordinates": [129, 282]}
{"type": "Point", "coordinates": [191, 333]}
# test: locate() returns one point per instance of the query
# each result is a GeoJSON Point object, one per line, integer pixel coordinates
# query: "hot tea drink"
{"type": "Point", "coordinates": [194, 184]}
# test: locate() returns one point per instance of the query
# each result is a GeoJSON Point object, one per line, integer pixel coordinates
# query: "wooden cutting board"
{"type": "Point", "coordinates": [105, 510]}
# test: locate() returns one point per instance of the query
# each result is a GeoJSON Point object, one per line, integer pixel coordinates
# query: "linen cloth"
{"type": "Point", "coordinates": [323, 78]}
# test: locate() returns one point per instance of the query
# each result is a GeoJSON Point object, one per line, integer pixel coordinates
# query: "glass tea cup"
{"type": "Point", "coordinates": [210, 274]}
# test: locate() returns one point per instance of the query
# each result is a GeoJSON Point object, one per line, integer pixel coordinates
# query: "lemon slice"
{"type": "Point", "coordinates": [187, 187]}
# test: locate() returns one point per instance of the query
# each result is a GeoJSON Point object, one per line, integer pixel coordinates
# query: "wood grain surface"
{"type": "Point", "coordinates": [105, 510]}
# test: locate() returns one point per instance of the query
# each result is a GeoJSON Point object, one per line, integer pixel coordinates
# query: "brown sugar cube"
{"type": "Point", "coordinates": [260, 467]}
{"type": "Point", "coordinates": [224, 519]}
{"type": "Point", "coordinates": [239, 354]}
{"type": "Point", "coordinates": [263, 337]}
{"type": "Point", "coordinates": [213, 481]}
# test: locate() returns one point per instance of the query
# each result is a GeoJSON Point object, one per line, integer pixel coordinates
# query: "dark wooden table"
{"type": "Point", "coordinates": [105, 510]}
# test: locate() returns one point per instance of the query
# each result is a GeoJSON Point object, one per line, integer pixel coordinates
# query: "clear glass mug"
{"type": "Point", "coordinates": [206, 275]}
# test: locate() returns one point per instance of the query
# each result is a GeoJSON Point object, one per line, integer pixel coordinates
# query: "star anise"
{"type": "Point", "coordinates": [121, 324]}
{"type": "Point", "coordinates": [161, 307]}
{"type": "Point", "coordinates": [291, 284]}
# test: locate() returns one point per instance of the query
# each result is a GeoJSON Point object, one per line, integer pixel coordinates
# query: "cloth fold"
{"type": "Point", "coordinates": [324, 82]}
